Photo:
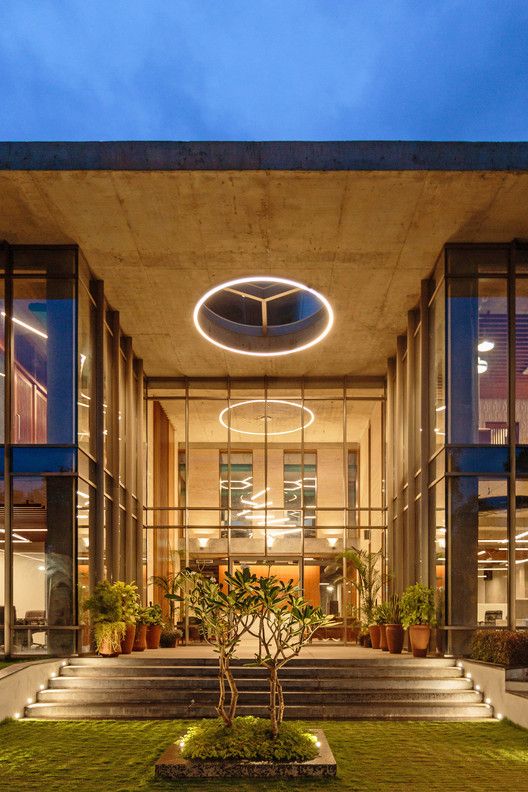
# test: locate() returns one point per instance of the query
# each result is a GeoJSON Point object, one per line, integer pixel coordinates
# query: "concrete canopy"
{"type": "Point", "coordinates": [361, 223]}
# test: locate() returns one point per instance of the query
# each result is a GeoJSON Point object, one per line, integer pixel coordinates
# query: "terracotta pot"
{"type": "Point", "coordinates": [140, 640]}
{"type": "Point", "coordinates": [394, 634]}
{"type": "Point", "coordinates": [128, 641]}
{"type": "Point", "coordinates": [153, 636]}
{"type": "Point", "coordinates": [352, 634]}
{"type": "Point", "coordinates": [106, 649]}
{"type": "Point", "coordinates": [419, 636]}
{"type": "Point", "coordinates": [374, 632]}
{"type": "Point", "coordinates": [383, 638]}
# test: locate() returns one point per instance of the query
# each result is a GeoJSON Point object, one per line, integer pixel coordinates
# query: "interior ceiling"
{"type": "Point", "coordinates": [327, 426]}
{"type": "Point", "coordinates": [160, 239]}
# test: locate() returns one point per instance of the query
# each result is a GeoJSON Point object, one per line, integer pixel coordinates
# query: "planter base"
{"type": "Point", "coordinates": [172, 765]}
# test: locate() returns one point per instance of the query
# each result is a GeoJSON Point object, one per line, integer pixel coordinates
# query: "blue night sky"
{"type": "Point", "coordinates": [264, 69]}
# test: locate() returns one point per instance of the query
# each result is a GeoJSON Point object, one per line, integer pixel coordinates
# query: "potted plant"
{"type": "Point", "coordinates": [140, 639]}
{"type": "Point", "coordinates": [353, 625]}
{"type": "Point", "coordinates": [169, 636]}
{"type": "Point", "coordinates": [418, 616]}
{"type": "Point", "coordinates": [130, 605]}
{"type": "Point", "coordinates": [366, 581]}
{"type": "Point", "coordinates": [382, 617]}
{"type": "Point", "coordinates": [171, 585]}
{"type": "Point", "coordinates": [154, 619]}
{"type": "Point", "coordinates": [375, 629]}
{"type": "Point", "coordinates": [106, 613]}
{"type": "Point", "coordinates": [394, 628]}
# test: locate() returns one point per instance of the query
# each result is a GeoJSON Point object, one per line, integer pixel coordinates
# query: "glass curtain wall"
{"type": "Point", "coordinates": [278, 476]}
{"type": "Point", "coordinates": [470, 434]}
{"type": "Point", "coordinates": [68, 504]}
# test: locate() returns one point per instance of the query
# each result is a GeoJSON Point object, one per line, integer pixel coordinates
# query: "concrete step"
{"type": "Point", "coordinates": [110, 683]}
{"type": "Point", "coordinates": [292, 698]}
{"type": "Point", "coordinates": [322, 672]}
{"type": "Point", "coordinates": [389, 710]}
{"type": "Point", "coordinates": [138, 658]}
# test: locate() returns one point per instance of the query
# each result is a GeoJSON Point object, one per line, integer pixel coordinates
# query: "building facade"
{"type": "Point", "coordinates": [224, 357]}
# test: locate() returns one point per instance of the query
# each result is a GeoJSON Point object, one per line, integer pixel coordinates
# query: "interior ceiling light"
{"type": "Point", "coordinates": [486, 346]}
{"type": "Point", "coordinates": [236, 411]}
{"type": "Point", "coordinates": [26, 326]}
{"type": "Point", "coordinates": [482, 366]}
{"type": "Point", "coordinates": [264, 316]}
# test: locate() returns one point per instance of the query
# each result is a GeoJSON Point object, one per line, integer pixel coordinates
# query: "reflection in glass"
{"type": "Point", "coordinates": [521, 555]}
{"type": "Point", "coordinates": [479, 535]}
{"type": "Point", "coordinates": [43, 330]}
{"type": "Point", "coordinates": [478, 360]}
{"type": "Point", "coordinates": [43, 575]}
{"type": "Point", "coordinates": [85, 373]}
{"type": "Point", "coordinates": [437, 394]}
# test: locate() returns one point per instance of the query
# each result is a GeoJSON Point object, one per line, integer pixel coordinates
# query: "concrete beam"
{"type": "Point", "coordinates": [359, 155]}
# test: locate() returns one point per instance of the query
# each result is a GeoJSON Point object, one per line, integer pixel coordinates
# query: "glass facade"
{"type": "Point", "coordinates": [279, 476]}
{"type": "Point", "coordinates": [470, 540]}
{"type": "Point", "coordinates": [57, 486]}
{"type": "Point", "coordinates": [106, 474]}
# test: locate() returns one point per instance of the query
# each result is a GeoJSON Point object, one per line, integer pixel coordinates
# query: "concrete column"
{"type": "Point", "coordinates": [399, 534]}
{"type": "Point", "coordinates": [117, 544]}
{"type": "Point", "coordinates": [98, 540]}
{"type": "Point", "coordinates": [140, 459]}
{"type": "Point", "coordinates": [130, 462]}
{"type": "Point", "coordinates": [426, 571]}
{"type": "Point", "coordinates": [59, 560]}
{"type": "Point", "coordinates": [389, 470]}
{"type": "Point", "coordinates": [6, 258]}
{"type": "Point", "coordinates": [411, 543]}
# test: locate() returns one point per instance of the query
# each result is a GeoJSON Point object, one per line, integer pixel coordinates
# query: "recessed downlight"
{"type": "Point", "coordinates": [263, 316]}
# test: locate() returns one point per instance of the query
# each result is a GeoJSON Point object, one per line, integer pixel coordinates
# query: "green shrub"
{"type": "Point", "coordinates": [152, 616]}
{"type": "Point", "coordinates": [418, 605]}
{"type": "Point", "coordinates": [504, 647]}
{"type": "Point", "coordinates": [248, 739]}
{"type": "Point", "coordinates": [105, 603]}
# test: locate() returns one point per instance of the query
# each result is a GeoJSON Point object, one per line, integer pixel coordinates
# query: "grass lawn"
{"type": "Point", "coordinates": [110, 756]}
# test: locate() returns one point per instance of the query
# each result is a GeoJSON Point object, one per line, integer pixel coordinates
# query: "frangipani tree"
{"type": "Point", "coordinates": [225, 617]}
{"type": "Point", "coordinates": [283, 621]}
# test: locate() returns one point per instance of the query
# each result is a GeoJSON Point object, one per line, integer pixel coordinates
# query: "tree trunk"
{"type": "Point", "coordinates": [280, 702]}
{"type": "Point", "coordinates": [234, 693]}
{"type": "Point", "coordinates": [273, 705]}
{"type": "Point", "coordinates": [221, 710]}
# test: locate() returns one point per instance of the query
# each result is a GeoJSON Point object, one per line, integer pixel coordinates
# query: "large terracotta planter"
{"type": "Point", "coordinates": [383, 638]}
{"type": "Point", "coordinates": [419, 636]}
{"type": "Point", "coordinates": [394, 634]}
{"type": "Point", "coordinates": [140, 640]}
{"type": "Point", "coordinates": [106, 649]}
{"type": "Point", "coordinates": [374, 632]}
{"type": "Point", "coordinates": [127, 643]}
{"type": "Point", "coordinates": [153, 636]}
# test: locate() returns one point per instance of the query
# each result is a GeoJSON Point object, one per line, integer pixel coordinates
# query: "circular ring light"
{"type": "Point", "coordinates": [263, 316]}
{"type": "Point", "coordinates": [306, 413]}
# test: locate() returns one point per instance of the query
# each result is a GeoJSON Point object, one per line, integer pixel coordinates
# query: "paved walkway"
{"type": "Point", "coordinates": [313, 651]}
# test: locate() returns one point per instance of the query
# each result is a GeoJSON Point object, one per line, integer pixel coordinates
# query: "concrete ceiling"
{"type": "Point", "coordinates": [160, 239]}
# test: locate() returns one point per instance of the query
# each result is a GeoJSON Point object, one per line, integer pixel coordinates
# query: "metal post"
{"type": "Point", "coordinates": [512, 491]}
{"type": "Point", "coordinates": [186, 505]}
